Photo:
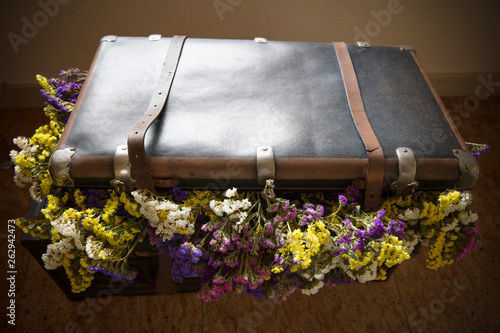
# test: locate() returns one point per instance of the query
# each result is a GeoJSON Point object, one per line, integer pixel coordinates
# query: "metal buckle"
{"type": "Point", "coordinates": [123, 177]}
{"type": "Point", "coordinates": [265, 164]}
{"type": "Point", "coordinates": [406, 184]}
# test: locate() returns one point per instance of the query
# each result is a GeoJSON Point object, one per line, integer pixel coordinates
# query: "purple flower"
{"type": "Point", "coordinates": [473, 241]}
{"type": "Point", "coordinates": [292, 214]}
{"type": "Point", "coordinates": [342, 200]}
{"type": "Point", "coordinates": [396, 228]}
{"type": "Point", "coordinates": [354, 195]}
{"type": "Point", "coordinates": [53, 101]}
{"type": "Point", "coordinates": [218, 280]}
{"type": "Point", "coordinates": [179, 194]}
{"type": "Point", "coordinates": [360, 245]}
{"type": "Point", "coordinates": [273, 208]}
{"type": "Point", "coordinates": [480, 149]}
{"type": "Point", "coordinates": [313, 214]}
{"type": "Point", "coordinates": [269, 227]}
{"type": "Point", "coordinates": [117, 275]}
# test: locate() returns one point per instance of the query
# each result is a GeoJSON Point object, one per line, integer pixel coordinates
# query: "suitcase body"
{"type": "Point", "coordinates": [308, 115]}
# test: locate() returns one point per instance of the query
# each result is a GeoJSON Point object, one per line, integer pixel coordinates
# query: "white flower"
{"type": "Point", "coordinates": [313, 290]}
{"type": "Point", "coordinates": [67, 228]}
{"type": "Point", "coordinates": [55, 252]}
{"type": "Point", "coordinates": [216, 207]}
{"type": "Point", "coordinates": [240, 219]}
{"type": "Point", "coordinates": [244, 204]}
{"type": "Point", "coordinates": [319, 276]}
{"type": "Point", "coordinates": [464, 201]}
{"type": "Point", "coordinates": [20, 178]}
{"type": "Point", "coordinates": [347, 269]}
{"type": "Point", "coordinates": [450, 226]}
{"type": "Point", "coordinates": [411, 215]}
{"type": "Point", "coordinates": [231, 193]}
{"type": "Point", "coordinates": [467, 217]}
{"type": "Point", "coordinates": [165, 205]}
{"type": "Point", "coordinates": [35, 193]}
{"type": "Point", "coordinates": [370, 273]}
{"type": "Point", "coordinates": [22, 143]}
{"type": "Point", "coordinates": [79, 241]}
{"type": "Point", "coordinates": [92, 248]}
{"type": "Point", "coordinates": [175, 220]}
{"type": "Point", "coordinates": [228, 206]}
{"type": "Point", "coordinates": [411, 240]}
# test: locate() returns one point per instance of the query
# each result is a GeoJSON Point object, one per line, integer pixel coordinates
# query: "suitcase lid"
{"type": "Point", "coordinates": [230, 97]}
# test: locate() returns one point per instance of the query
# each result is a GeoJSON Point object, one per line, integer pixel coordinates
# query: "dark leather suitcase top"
{"type": "Point", "coordinates": [230, 97]}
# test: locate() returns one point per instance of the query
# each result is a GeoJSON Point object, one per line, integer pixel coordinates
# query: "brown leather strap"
{"type": "Point", "coordinates": [137, 153]}
{"type": "Point", "coordinates": [375, 173]}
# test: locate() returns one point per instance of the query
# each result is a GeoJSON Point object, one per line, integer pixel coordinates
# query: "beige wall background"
{"type": "Point", "coordinates": [457, 41]}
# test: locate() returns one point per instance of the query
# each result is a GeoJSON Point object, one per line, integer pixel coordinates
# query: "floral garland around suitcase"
{"type": "Point", "coordinates": [267, 243]}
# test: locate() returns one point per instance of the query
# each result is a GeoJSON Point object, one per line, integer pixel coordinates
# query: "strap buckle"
{"type": "Point", "coordinates": [406, 184]}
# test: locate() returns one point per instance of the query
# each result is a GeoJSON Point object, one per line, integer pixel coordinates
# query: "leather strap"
{"type": "Point", "coordinates": [137, 153]}
{"type": "Point", "coordinates": [376, 161]}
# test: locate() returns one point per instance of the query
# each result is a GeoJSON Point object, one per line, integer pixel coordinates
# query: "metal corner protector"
{"type": "Point", "coordinates": [60, 167]}
{"type": "Point", "coordinates": [469, 170]}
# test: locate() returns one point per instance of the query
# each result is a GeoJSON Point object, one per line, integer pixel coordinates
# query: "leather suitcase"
{"type": "Point", "coordinates": [157, 112]}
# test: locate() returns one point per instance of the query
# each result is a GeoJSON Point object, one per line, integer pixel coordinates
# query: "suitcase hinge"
{"type": "Point", "coordinates": [406, 184]}
{"type": "Point", "coordinates": [60, 167]}
{"type": "Point", "coordinates": [363, 44]}
{"type": "Point", "coordinates": [406, 48]}
{"type": "Point", "coordinates": [265, 164]}
{"type": "Point", "coordinates": [109, 38]}
{"type": "Point", "coordinates": [123, 178]}
{"type": "Point", "coordinates": [154, 37]}
{"type": "Point", "coordinates": [469, 170]}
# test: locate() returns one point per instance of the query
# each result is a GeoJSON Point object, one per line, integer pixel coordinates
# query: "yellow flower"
{"type": "Point", "coordinates": [450, 198]}
{"type": "Point", "coordinates": [130, 207]}
{"type": "Point", "coordinates": [435, 258]}
{"type": "Point", "coordinates": [381, 274]}
{"type": "Point", "coordinates": [355, 264]}
{"type": "Point", "coordinates": [43, 82]}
